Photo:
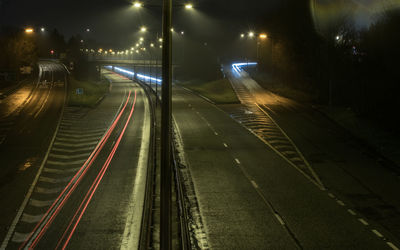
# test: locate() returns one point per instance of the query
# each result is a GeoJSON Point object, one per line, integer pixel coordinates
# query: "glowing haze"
{"type": "Point", "coordinates": [361, 12]}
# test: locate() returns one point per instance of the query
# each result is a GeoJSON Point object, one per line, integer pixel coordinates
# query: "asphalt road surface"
{"type": "Point", "coordinates": [90, 189]}
{"type": "Point", "coordinates": [252, 198]}
{"type": "Point", "coordinates": [28, 118]}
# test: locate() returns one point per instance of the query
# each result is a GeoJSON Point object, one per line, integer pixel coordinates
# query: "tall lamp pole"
{"type": "Point", "coordinates": [166, 113]}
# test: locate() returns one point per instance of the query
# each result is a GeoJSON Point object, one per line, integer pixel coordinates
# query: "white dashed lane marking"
{"type": "Point", "coordinates": [28, 218]}
{"type": "Point", "coordinates": [39, 203]}
{"type": "Point", "coordinates": [254, 184]}
{"type": "Point", "coordinates": [20, 237]}
{"type": "Point", "coordinates": [363, 221]}
{"type": "Point", "coordinates": [225, 145]}
{"type": "Point", "coordinates": [215, 133]}
{"type": "Point", "coordinates": [279, 219]}
{"type": "Point", "coordinates": [377, 233]}
{"type": "Point", "coordinates": [237, 161]}
{"type": "Point", "coordinates": [390, 244]}
{"type": "Point", "coordinates": [351, 212]}
{"type": "Point", "coordinates": [340, 203]}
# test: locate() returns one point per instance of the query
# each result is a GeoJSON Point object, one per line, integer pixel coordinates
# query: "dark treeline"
{"type": "Point", "coordinates": [341, 66]}
{"type": "Point", "coordinates": [18, 48]}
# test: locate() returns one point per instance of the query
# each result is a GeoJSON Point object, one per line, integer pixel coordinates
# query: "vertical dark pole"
{"type": "Point", "coordinates": [166, 172]}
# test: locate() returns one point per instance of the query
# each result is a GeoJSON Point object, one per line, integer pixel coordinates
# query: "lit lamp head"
{"type": "Point", "coordinates": [263, 36]}
{"type": "Point", "coordinates": [251, 34]}
{"type": "Point", "coordinates": [137, 4]}
{"type": "Point", "coordinates": [28, 30]}
{"type": "Point", "coordinates": [188, 6]}
{"type": "Point", "coordinates": [143, 29]}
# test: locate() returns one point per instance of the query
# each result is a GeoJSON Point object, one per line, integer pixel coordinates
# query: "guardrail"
{"type": "Point", "coordinates": [185, 242]}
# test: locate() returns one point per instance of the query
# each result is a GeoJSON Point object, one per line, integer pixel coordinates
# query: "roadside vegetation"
{"type": "Point", "coordinates": [219, 91]}
{"type": "Point", "coordinates": [92, 92]}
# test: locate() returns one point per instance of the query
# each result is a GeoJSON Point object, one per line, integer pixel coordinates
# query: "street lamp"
{"type": "Point", "coordinates": [143, 29]}
{"type": "Point", "coordinates": [251, 34]}
{"type": "Point", "coordinates": [137, 4]}
{"type": "Point", "coordinates": [42, 29]}
{"type": "Point", "coordinates": [29, 30]}
{"type": "Point", "coordinates": [188, 6]}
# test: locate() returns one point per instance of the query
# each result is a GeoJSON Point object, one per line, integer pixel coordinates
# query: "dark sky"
{"type": "Point", "coordinates": [112, 20]}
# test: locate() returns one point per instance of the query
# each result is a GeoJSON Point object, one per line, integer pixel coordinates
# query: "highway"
{"type": "Point", "coordinates": [28, 118]}
{"type": "Point", "coordinates": [89, 190]}
{"type": "Point", "coordinates": [249, 195]}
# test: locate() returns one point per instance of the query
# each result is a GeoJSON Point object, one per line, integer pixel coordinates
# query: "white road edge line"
{"type": "Point", "coordinates": [254, 184]}
{"type": "Point", "coordinates": [363, 221]}
{"type": "Point", "coordinates": [131, 236]}
{"type": "Point", "coordinates": [278, 217]}
{"type": "Point", "coordinates": [32, 187]}
{"type": "Point", "coordinates": [377, 233]}
{"type": "Point", "coordinates": [341, 203]}
{"type": "Point", "coordinates": [390, 244]}
{"type": "Point", "coordinates": [351, 212]}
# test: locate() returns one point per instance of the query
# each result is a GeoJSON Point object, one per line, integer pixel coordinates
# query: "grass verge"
{"type": "Point", "coordinates": [92, 92]}
{"type": "Point", "coordinates": [219, 91]}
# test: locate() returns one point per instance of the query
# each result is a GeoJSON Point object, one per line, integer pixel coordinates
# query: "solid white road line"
{"type": "Point", "coordinates": [131, 236]}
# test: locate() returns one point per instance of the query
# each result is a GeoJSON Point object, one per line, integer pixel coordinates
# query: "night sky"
{"type": "Point", "coordinates": [116, 20]}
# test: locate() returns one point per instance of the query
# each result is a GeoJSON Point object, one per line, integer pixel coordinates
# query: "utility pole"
{"type": "Point", "coordinates": [166, 113]}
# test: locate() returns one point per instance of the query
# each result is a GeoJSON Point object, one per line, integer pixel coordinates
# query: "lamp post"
{"type": "Point", "coordinates": [166, 119]}
{"type": "Point", "coordinates": [259, 37]}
